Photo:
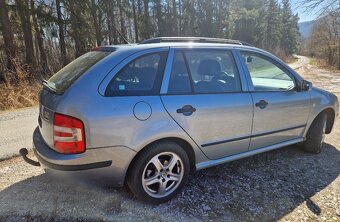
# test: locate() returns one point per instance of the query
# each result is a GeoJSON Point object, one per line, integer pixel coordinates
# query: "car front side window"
{"type": "Point", "coordinates": [266, 75]}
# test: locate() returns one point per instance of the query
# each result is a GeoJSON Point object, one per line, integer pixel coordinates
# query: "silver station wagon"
{"type": "Point", "coordinates": [148, 114]}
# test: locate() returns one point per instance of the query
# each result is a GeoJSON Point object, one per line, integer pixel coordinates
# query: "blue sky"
{"type": "Point", "coordinates": [303, 14]}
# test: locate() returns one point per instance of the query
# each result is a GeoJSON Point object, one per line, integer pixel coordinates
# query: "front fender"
{"type": "Point", "coordinates": [321, 101]}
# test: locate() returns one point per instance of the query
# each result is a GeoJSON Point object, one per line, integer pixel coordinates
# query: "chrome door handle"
{"type": "Point", "coordinates": [261, 104]}
{"type": "Point", "coordinates": [186, 110]}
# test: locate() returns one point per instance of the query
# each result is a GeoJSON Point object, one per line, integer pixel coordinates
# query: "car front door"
{"type": "Point", "coordinates": [203, 94]}
{"type": "Point", "coordinates": [280, 111]}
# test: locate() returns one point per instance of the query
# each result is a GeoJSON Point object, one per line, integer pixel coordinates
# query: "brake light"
{"type": "Point", "coordinates": [96, 48]}
{"type": "Point", "coordinates": [69, 134]}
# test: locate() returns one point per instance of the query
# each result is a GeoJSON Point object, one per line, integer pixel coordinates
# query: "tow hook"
{"type": "Point", "coordinates": [23, 152]}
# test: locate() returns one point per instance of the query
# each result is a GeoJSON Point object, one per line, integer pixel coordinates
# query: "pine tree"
{"type": "Point", "coordinates": [289, 31]}
{"type": "Point", "coordinates": [273, 25]}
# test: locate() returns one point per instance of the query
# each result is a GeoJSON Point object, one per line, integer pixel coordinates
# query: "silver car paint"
{"type": "Point", "coordinates": [110, 122]}
{"type": "Point", "coordinates": [215, 116]}
{"type": "Point", "coordinates": [114, 174]}
{"type": "Point", "coordinates": [320, 101]}
{"type": "Point", "coordinates": [219, 117]}
{"type": "Point", "coordinates": [285, 110]}
{"type": "Point", "coordinates": [52, 101]}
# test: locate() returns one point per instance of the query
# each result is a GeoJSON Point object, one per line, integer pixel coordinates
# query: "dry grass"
{"type": "Point", "coordinates": [18, 92]}
{"type": "Point", "coordinates": [321, 63]}
{"type": "Point", "coordinates": [18, 96]}
{"type": "Point", "coordinates": [289, 60]}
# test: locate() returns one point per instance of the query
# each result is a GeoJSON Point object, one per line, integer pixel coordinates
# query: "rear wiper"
{"type": "Point", "coordinates": [48, 87]}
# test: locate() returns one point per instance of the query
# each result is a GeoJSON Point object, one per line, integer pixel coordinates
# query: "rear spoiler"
{"type": "Point", "coordinates": [104, 48]}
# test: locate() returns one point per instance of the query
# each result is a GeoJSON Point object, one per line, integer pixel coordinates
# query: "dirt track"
{"type": "Point", "coordinates": [285, 184]}
{"type": "Point", "coordinates": [16, 129]}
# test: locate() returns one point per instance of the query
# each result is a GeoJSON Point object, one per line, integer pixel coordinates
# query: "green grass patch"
{"type": "Point", "coordinates": [313, 61]}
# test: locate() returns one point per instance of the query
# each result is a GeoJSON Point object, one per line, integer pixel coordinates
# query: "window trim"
{"type": "Point", "coordinates": [274, 62]}
{"type": "Point", "coordinates": [157, 83]}
{"type": "Point", "coordinates": [234, 56]}
{"type": "Point", "coordinates": [192, 87]}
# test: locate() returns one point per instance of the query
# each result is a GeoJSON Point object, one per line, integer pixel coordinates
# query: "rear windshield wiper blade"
{"type": "Point", "coordinates": [48, 87]}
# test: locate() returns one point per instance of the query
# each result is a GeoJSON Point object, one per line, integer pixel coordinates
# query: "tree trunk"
{"type": "Point", "coordinates": [76, 23]}
{"type": "Point", "coordinates": [180, 14]}
{"type": "Point", "coordinates": [7, 33]}
{"type": "Point", "coordinates": [94, 15]}
{"type": "Point", "coordinates": [146, 19]}
{"type": "Point", "coordinates": [24, 14]}
{"type": "Point", "coordinates": [174, 18]}
{"type": "Point", "coordinates": [111, 23]}
{"type": "Point", "coordinates": [61, 34]}
{"type": "Point", "coordinates": [40, 40]}
{"type": "Point", "coordinates": [135, 20]}
{"type": "Point", "coordinates": [122, 22]}
{"type": "Point", "coordinates": [339, 53]}
{"type": "Point", "coordinates": [159, 14]}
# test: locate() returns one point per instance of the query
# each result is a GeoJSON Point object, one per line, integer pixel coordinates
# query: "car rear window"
{"type": "Point", "coordinates": [63, 79]}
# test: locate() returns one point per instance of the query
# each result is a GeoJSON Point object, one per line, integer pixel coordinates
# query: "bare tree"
{"type": "Point", "coordinates": [25, 19]}
{"type": "Point", "coordinates": [60, 22]}
{"type": "Point", "coordinates": [135, 19]}
{"type": "Point", "coordinates": [7, 33]}
{"type": "Point", "coordinates": [325, 5]}
{"type": "Point", "coordinates": [38, 34]}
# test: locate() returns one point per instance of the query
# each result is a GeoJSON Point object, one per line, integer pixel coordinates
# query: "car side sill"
{"type": "Point", "coordinates": [211, 163]}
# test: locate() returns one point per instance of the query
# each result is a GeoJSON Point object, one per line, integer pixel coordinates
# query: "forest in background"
{"type": "Point", "coordinates": [41, 36]}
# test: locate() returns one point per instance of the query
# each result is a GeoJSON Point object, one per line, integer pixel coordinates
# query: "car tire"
{"type": "Point", "coordinates": [316, 135]}
{"type": "Point", "coordinates": [159, 172]}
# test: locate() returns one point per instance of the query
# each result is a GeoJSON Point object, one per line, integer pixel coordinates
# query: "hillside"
{"type": "Point", "coordinates": [306, 28]}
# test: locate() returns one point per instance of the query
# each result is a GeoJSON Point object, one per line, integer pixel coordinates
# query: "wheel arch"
{"type": "Point", "coordinates": [330, 117]}
{"type": "Point", "coordinates": [181, 142]}
{"type": "Point", "coordinates": [330, 113]}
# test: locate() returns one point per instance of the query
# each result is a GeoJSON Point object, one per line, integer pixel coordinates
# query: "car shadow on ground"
{"type": "Point", "coordinates": [264, 187]}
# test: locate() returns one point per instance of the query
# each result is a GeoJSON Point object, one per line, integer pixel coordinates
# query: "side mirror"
{"type": "Point", "coordinates": [305, 85]}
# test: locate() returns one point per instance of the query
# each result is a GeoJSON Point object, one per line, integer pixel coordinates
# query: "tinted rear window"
{"type": "Point", "coordinates": [63, 79]}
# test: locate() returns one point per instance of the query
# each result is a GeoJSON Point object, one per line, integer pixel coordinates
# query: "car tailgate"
{"type": "Point", "coordinates": [48, 102]}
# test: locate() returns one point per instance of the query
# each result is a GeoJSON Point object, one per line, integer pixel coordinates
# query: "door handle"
{"type": "Point", "coordinates": [261, 104]}
{"type": "Point", "coordinates": [186, 110]}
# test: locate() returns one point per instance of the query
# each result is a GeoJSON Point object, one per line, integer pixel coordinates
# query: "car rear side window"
{"type": "Point", "coordinates": [210, 71]}
{"type": "Point", "coordinates": [140, 77]}
{"type": "Point", "coordinates": [63, 79]}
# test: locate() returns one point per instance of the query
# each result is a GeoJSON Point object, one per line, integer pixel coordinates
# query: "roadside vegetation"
{"type": "Point", "coordinates": [323, 44]}
{"type": "Point", "coordinates": [39, 37]}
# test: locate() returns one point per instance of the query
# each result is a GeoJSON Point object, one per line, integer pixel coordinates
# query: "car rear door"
{"type": "Point", "coordinates": [280, 111]}
{"type": "Point", "coordinates": [203, 92]}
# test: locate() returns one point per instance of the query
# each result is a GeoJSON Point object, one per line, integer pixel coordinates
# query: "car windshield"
{"type": "Point", "coordinates": [63, 79]}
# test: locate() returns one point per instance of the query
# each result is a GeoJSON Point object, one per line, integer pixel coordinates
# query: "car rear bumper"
{"type": "Point", "coordinates": [105, 166]}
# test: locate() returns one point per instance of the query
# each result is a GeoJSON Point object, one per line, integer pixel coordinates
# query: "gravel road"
{"type": "Point", "coordinates": [16, 129]}
{"type": "Point", "coordinates": [281, 185]}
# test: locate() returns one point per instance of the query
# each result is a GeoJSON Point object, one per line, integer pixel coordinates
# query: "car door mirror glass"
{"type": "Point", "coordinates": [306, 85]}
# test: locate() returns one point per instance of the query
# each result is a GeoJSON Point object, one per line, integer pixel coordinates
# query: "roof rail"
{"type": "Point", "coordinates": [193, 39]}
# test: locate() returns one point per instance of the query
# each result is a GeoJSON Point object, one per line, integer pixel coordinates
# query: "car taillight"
{"type": "Point", "coordinates": [69, 135]}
